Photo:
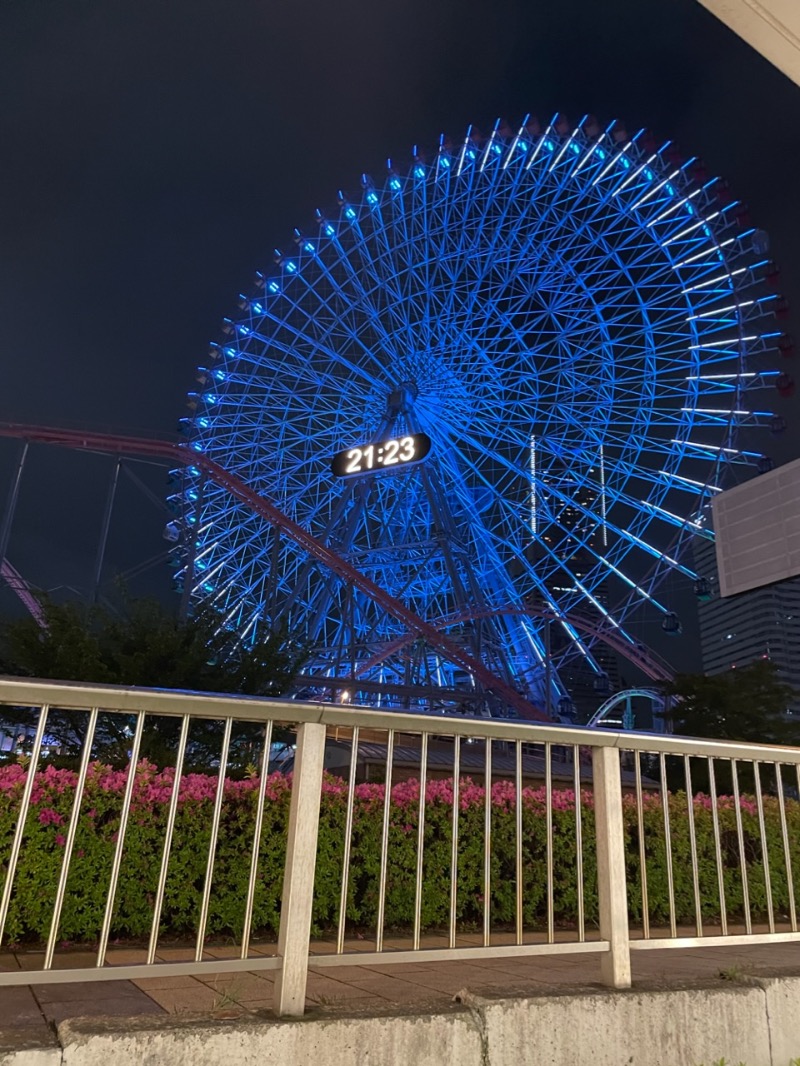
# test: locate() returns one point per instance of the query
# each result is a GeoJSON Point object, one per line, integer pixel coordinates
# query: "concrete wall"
{"type": "Point", "coordinates": [755, 1021]}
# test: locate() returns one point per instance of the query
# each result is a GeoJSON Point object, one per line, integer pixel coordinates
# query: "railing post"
{"type": "Point", "coordinates": [298, 878]}
{"type": "Point", "coordinates": [615, 965]}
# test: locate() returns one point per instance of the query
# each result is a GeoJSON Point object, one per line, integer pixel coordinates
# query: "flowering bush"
{"type": "Point", "coordinates": [53, 792]}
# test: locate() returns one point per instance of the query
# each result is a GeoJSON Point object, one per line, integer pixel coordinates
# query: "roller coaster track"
{"type": "Point", "coordinates": [180, 453]}
{"type": "Point", "coordinates": [17, 583]}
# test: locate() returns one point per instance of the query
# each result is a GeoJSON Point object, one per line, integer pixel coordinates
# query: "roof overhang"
{"type": "Point", "coordinates": [772, 27]}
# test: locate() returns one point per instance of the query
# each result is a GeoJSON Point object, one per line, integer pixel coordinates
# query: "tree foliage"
{"type": "Point", "coordinates": [139, 644]}
{"type": "Point", "coordinates": [748, 703]}
{"type": "Point", "coordinates": [142, 644]}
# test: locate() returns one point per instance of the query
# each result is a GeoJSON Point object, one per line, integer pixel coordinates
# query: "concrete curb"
{"type": "Point", "coordinates": [782, 995]}
{"type": "Point", "coordinates": [659, 1027]}
{"type": "Point", "coordinates": [436, 1039]}
{"type": "Point", "coordinates": [31, 1055]}
{"type": "Point", "coordinates": [755, 1021]}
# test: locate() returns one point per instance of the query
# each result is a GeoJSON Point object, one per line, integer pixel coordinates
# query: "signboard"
{"type": "Point", "coordinates": [757, 528]}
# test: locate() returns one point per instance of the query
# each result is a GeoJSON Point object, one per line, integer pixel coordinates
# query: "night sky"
{"type": "Point", "coordinates": [155, 153]}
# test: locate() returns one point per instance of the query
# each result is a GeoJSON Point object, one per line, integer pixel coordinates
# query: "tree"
{"type": "Point", "coordinates": [142, 644]}
{"type": "Point", "coordinates": [748, 704]}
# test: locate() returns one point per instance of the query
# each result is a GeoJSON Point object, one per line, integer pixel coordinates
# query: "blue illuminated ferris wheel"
{"type": "Point", "coordinates": [531, 355]}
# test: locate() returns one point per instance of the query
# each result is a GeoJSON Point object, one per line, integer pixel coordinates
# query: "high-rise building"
{"type": "Point", "coordinates": [763, 623]}
{"type": "Point", "coordinates": [560, 507]}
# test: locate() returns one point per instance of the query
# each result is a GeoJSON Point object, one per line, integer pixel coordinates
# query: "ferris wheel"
{"type": "Point", "coordinates": [503, 382]}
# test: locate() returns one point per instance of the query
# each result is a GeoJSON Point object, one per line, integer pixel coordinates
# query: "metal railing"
{"type": "Point", "coordinates": [473, 838]}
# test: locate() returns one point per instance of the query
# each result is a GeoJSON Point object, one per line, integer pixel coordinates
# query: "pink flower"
{"type": "Point", "coordinates": [47, 816]}
{"type": "Point", "coordinates": [11, 776]}
{"type": "Point", "coordinates": [60, 840]}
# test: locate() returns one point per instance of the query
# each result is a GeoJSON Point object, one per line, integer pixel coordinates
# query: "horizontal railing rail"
{"type": "Point", "coordinates": [71, 696]}
{"type": "Point", "coordinates": [455, 837]}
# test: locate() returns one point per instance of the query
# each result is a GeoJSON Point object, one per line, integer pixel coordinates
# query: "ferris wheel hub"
{"type": "Point", "coordinates": [401, 399]}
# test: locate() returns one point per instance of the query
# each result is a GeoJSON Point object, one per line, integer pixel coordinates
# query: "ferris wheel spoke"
{"type": "Point", "coordinates": [635, 503]}
{"type": "Point", "coordinates": [620, 532]}
{"type": "Point", "coordinates": [316, 346]}
{"type": "Point", "coordinates": [371, 299]}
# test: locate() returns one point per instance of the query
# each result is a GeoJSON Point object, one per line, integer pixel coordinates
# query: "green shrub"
{"type": "Point", "coordinates": [46, 827]}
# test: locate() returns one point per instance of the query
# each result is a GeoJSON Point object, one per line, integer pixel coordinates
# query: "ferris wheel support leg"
{"type": "Point", "coordinates": [11, 506]}
{"type": "Point", "coordinates": [548, 666]}
{"type": "Point", "coordinates": [615, 965]}
{"type": "Point", "coordinates": [101, 547]}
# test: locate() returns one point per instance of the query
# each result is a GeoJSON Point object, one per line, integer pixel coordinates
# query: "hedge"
{"type": "Point", "coordinates": [42, 852]}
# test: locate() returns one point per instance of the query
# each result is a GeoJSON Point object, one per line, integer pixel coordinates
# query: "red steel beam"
{"type": "Point", "coordinates": [184, 454]}
{"type": "Point", "coordinates": [648, 662]}
{"type": "Point", "coordinates": [17, 583]}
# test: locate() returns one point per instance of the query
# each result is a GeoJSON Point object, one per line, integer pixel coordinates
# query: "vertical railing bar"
{"type": "Point", "coordinates": [69, 844]}
{"type": "Point", "coordinates": [22, 817]}
{"type": "Point", "coordinates": [548, 807]}
{"type": "Point", "coordinates": [723, 910]}
{"type": "Point", "coordinates": [299, 872]}
{"type": "Point", "coordinates": [121, 831]}
{"type": "Point", "coordinates": [576, 769]}
{"type": "Point", "coordinates": [79, 797]}
{"type": "Point", "coordinates": [787, 856]}
{"type": "Point", "coordinates": [762, 831]}
{"type": "Point", "coordinates": [642, 845]}
{"type": "Point", "coordinates": [259, 822]}
{"type": "Point", "coordinates": [487, 844]}
{"type": "Point", "coordinates": [170, 827]}
{"type": "Point", "coordinates": [520, 895]}
{"type": "Point", "coordinates": [387, 807]}
{"type": "Point", "coordinates": [673, 928]}
{"type": "Point", "coordinates": [348, 832]}
{"type": "Point", "coordinates": [454, 841]}
{"type": "Point", "coordinates": [698, 906]}
{"type": "Point", "coordinates": [748, 922]}
{"type": "Point", "coordinates": [212, 844]}
{"type": "Point", "coordinates": [612, 897]}
{"type": "Point", "coordinates": [423, 778]}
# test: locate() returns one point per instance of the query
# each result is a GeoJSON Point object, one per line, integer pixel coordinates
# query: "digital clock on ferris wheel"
{"type": "Point", "coordinates": [381, 455]}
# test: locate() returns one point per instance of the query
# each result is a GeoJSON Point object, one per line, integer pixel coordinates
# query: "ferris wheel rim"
{"type": "Point", "coordinates": [359, 362]}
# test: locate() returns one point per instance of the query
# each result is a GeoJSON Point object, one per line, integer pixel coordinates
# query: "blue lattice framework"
{"type": "Point", "coordinates": [577, 319]}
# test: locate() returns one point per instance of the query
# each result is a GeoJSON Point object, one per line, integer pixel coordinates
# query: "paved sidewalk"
{"type": "Point", "coordinates": [28, 1015]}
